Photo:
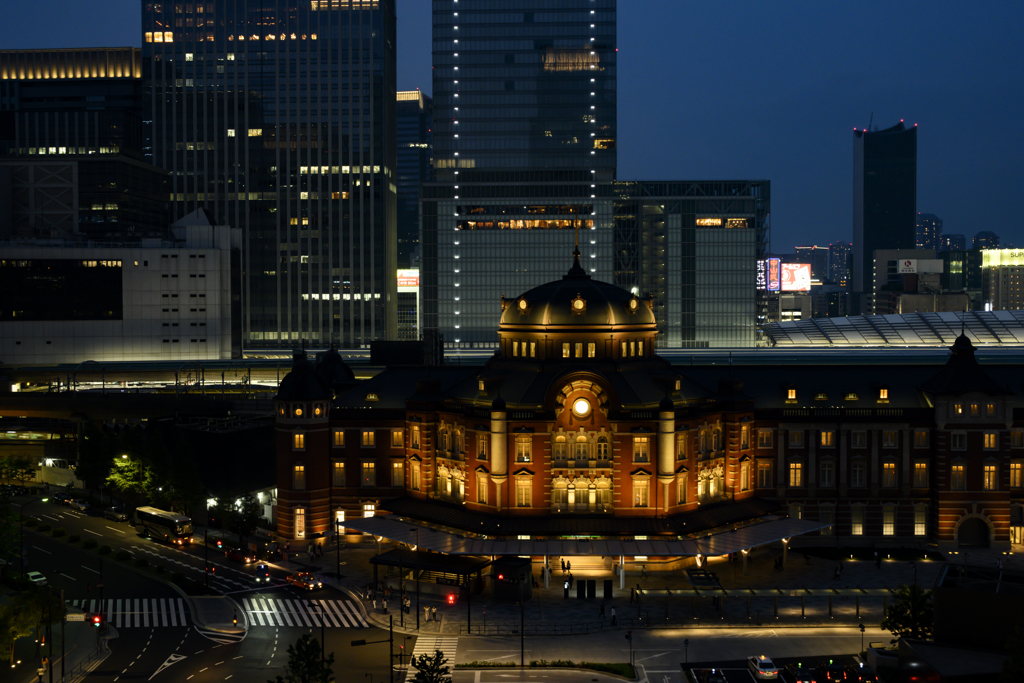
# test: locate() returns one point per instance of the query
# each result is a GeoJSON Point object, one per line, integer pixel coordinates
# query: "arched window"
{"type": "Point", "coordinates": [560, 496]}
{"type": "Point", "coordinates": [703, 441]}
{"type": "Point", "coordinates": [604, 449]}
{"type": "Point", "coordinates": [582, 451]}
{"type": "Point", "coordinates": [559, 450]}
{"type": "Point", "coordinates": [716, 440]}
{"type": "Point", "coordinates": [460, 444]}
{"type": "Point", "coordinates": [445, 440]}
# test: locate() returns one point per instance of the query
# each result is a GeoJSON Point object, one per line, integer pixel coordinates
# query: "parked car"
{"type": "Point", "coordinates": [833, 672]}
{"type": "Point", "coordinates": [304, 580]}
{"type": "Point", "coordinates": [116, 514]}
{"type": "Point", "coordinates": [762, 668]}
{"type": "Point", "coordinates": [240, 555]}
{"type": "Point", "coordinates": [862, 674]}
{"type": "Point", "coordinates": [801, 674]}
{"type": "Point", "coordinates": [60, 499]}
{"type": "Point", "coordinates": [36, 578]}
{"type": "Point", "coordinates": [80, 504]}
{"type": "Point", "coordinates": [262, 573]}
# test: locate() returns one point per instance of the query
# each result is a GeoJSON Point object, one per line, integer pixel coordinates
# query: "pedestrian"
{"type": "Point", "coordinates": [570, 579]}
{"type": "Point", "coordinates": [563, 565]}
{"type": "Point", "coordinates": [433, 613]}
{"type": "Point", "coordinates": [426, 614]}
{"type": "Point", "coordinates": [837, 573]}
{"type": "Point", "coordinates": [602, 609]}
{"type": "Point", "coordinates": [631, 595]}
{"type": "Point", "coordinates": [384, 604]}
{"type": "Point", "coordinates": [614, 618]}
{"type": "Point", "coordinates": [374, 604]}
{"type": "Point", "coordinates": [568, 566]}
{"type": "Point", "coordinates": [643, 571]}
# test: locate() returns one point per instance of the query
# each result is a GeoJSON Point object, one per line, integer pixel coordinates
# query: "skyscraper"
{"type": "Point", "coordinates": [278, 117]}
{"type": "Point", "coordinates": [929, 231]}
{"type": "Point", "coordinates": [524, 86]}
{"type": "Point", "coordinates": [884, 196]}
{"type": "Point", "coordinates": [986, 239]}
{"type": "Point", "coordinates": [951, 242]}
{"type": "Point", "coordinates": [415, 151]}
{"type": "Point", "coordinates": [817, 258]}
{"type": "Point", "coordinates": [839, 263]}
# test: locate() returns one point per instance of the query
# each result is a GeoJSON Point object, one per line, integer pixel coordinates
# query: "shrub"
{"type": "Point", "coordinates": [74, 538]}
{"type": "Point", "coordinates": [31, 521]}
{"type": "Point", "coordinates": [90, 543]}
{"type": "Point", "coordinates": [58, 532]}
{"type": "Point", "coordinates": [159, 568]}
{"type": "Point", "coordinates": [106, 550]}
{"type": "Point", "coordinates": [45, 527]}
{"type": "Point", "coordinates": [123, 555]}
{"type": "Point", "coordinates": [141, 562]}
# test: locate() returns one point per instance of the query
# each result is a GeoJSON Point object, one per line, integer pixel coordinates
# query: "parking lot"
{"type": "Point", "coordinates": [736, 671]}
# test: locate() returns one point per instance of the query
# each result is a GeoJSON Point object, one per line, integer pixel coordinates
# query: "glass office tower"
{"type": "Point", "coordinates": [524, 86]}
{"type": "Point", "coordinates": [884, 196]}
{"type": "Point", "coordinates": [278, 117]}
{"type": "Point", "coordinates": [415, 151]}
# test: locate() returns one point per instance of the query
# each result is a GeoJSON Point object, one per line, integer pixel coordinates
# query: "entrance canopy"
{"type": "Point", "coordinates": [456, 543]}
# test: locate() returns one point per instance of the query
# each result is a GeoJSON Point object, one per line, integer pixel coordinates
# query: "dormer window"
{"type": "Point", "coordinates": [958, 408]}
{"type": "Point", "coordinates": [679, 385]}
{"type": "Point", "coordinates": [820, 396]}
{"type": "Point", "coordinates": [850, 396]}
{"type": "Point", "coordinates": [318, 409]}
{"type": "Point", "coordinates": [480, 385]}
{"type": "Point", "coordinates": [298, 411]}
{"type": "Point", "coordinates": [883, 394]}
{"type": "Point", "coordinates": [790, 394]}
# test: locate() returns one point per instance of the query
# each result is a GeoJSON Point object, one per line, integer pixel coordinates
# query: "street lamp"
{"type": "Point", "coordinates": [416, 555]}
{"type": "Point", "coordinates": [21, 517]}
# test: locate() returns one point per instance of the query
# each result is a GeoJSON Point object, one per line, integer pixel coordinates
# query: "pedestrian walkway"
{"type": "Point", "coordinates": [278, 612]}
{"type": "Point", "coordinates": [137, 612]}
{"type": "Point", "coordinates": [428, 646]}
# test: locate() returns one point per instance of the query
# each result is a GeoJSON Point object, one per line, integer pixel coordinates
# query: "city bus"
{"type": "Point", "coordinates": [161, 525]}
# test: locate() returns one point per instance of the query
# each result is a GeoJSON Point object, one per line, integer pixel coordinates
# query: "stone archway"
{"type": "Point", "coordinates": [973, 532]}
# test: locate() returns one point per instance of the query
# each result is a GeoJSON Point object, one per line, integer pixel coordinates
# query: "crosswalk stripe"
{"type": "Point", "coordinates": [299, 612]}
{"type": "Point", "coordinates": [118, 611]}
{"type": "Point", "coordinates": [136, 612]}
{"type": "Point", "coordinates": [326, 614]}
{"type": "Point", "coordinates": [353, 615]}
{"type": "Point", "coordinates": [283, 612]}
{"type": "Point", "coordinates": [181, 610]}
{"type": "Point", "coordinates": [331, 607]}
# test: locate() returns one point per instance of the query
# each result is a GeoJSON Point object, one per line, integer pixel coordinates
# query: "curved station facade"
{"type": "Point", "coordinates": [576, 432]}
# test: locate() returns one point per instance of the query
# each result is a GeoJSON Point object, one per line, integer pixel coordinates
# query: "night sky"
{"type": "Point", "coordinates": [725, 90]}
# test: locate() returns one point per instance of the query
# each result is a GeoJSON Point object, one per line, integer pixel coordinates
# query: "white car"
{"type": "Point", "coordinates": [36, 578]}
{"type": "Point", "coordinates": [762, 668]}
{"type": "Point", "coordinates": [79, 504]}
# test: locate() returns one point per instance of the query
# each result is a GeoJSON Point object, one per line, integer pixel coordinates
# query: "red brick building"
{"type": "Point", "coordinates": [577, 427]}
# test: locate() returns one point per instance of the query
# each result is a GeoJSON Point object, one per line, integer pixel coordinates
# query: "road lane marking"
{"type": "Point", "coordinates": [90, 531]}
{"type": "Point", "coordinates": [49, 517]}
{"type": "Point", "coordinates": [69, 577]}
{"type": "Point", "coordinates": [41, 550]}
{"type": "Point", "coordinates": [113, 529]}
{"type": "Point", "coordinates": [94, 571]}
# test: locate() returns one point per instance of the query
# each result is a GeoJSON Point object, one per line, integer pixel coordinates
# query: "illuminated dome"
{"type": "Point", "coordinates": [576, 300]}
{"type": "Point", "coordinates": [577, 318]}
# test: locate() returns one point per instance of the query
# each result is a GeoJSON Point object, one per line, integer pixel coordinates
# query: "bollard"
{"type": "Point", "coordinates": [830, 607]}
{"type": "Point", "coordinates": [803, 613]}
{"type": "Point", "coordinates": [776, 606]}
{"type": "Point", "coordinates": [858, 605]}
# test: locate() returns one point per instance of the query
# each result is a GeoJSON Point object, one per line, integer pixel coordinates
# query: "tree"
{"type": "Point", "coordinates": [432, 668]}
{"type": "Point", "coordinates": [911, 613]}
{"type": "Point", "coordinates": [130, 477]}
{"type": "Point", "coordinates": [304, 663]}
{"type": "Point", "coordinates": [24, 613]}
{"type": "Point", "coordinates": [8, 532]}
{"type": "Point", "coordinates": [245, 517]}
{"type": "Point", "coordinates": [95, 455]}
{"type": "Point", "coordinates": [19, 469]}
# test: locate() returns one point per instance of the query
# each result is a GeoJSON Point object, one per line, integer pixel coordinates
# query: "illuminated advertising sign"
{"type": "Point", "coordinates": [990, 258]}
{"type": "Point", "coordinates": [908, 265]}
{"type": "Point", "coordinates": [762, 278]}
{"type": "Point", "coordinates": [709, 222]}
{"type": "Point", "coordinates": [408, 280]}
{"type": "Point", "coordinates": [796, 277]}
{"type": "Point", "coordinates": [774, 274]}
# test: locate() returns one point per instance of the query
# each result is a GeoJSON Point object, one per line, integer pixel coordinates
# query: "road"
{"type": "Point", "coordinates": [157, 640]}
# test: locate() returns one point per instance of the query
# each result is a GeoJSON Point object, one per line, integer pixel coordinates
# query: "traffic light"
{"type": "Point", "coordinates": [451, 598]}
{"type": "Point", "coordinates": [97, 620]}
{"type": "Point", "coordinates": [501, 577]}
{"type": "Point", "coordinates": [234, 619]}
{"type": "Point", "coordinates": [629, 635]}
{"type": "Point", "coordinates": [210, 569]}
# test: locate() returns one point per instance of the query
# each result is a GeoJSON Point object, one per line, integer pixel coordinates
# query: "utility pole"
{"type": "Point", "coordinates": [522, 625]}
{"type": "Point", "coordinates": [49, 628]}
{"type": "Point", "coordinates": [62, 650]}
{"type": "Point", "coordinates": [391, 648]}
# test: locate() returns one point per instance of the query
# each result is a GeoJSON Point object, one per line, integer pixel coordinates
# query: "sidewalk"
{"type": "Point", "coordinates": [668, 602]}
{"type": "Point", "coordinates": [84, 649]}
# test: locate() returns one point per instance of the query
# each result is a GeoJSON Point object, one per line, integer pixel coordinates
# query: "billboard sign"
{"type": "Point", "coordinates": [774, 274]}
{"type": "Point", "coordinates": [908, 265]}
{"type": "Point", "coordinates": [796, 277]}
{"type": "Point", "coordinates": [762, 275]}
{"type": "Point", "coordinates": [409, 280]}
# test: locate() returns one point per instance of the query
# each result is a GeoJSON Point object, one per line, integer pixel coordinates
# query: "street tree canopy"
{"type": "Point", "coordinates": [432, 668]}
{"type": "Point", "coordinates": [910, 613]}
{"type": "Point", "coordinates": [304, 663]}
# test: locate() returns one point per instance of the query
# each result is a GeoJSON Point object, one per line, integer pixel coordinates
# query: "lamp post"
{"type": "Point", "coordinates": [337, 546]}
{"type": "Point", "coordinates": [21, 518]}
{"type": "Point", "coordinates": [416, 575]}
